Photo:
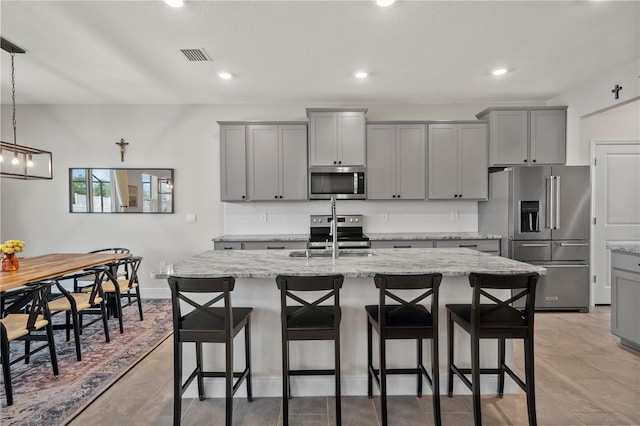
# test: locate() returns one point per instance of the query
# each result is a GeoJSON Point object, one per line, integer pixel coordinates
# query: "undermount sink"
{"type": "Point", "coordinates": [327, 253]}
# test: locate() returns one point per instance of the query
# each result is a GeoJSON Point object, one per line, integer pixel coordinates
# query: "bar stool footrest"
{"type": "Point", "coordinates": [312, 372]}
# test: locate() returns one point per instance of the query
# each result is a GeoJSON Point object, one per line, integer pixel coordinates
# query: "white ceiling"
{"type": "Point", "coordinates": [127, 52]}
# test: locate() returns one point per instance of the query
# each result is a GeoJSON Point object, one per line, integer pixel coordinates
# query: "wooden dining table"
{"type": "Point", "coordinates": [47, 266]}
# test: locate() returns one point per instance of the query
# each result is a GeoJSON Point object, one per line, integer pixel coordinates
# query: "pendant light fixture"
{"type": "Point", "coordinates": [26, 162]}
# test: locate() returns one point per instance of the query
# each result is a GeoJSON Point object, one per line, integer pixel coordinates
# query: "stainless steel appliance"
{"type": "Point", "coordinates": [349, 232]}
{"type": "Point", "coordinates": [543, 214]}
{"type": "Point", "coordinates": [338, 182]}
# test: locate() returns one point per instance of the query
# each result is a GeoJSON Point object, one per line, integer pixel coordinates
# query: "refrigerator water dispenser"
{"type": "Point", "coordinates": [529, 216]}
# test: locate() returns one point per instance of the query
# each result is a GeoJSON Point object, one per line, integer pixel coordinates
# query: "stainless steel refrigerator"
{"type": "Point", "coordinates": [543, 214]}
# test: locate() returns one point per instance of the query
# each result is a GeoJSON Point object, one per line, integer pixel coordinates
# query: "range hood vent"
{"type": "Point", "coordinates": [196, 55]}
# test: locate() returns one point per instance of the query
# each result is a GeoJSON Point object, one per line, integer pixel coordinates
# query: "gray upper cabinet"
{"type": "Point", "coordinates": [336, 137]}
{"type": "Point", "coordinates": [396, 161]}
{"type": "Point", "coordinates": [458, 161]}
{"type": "Point", "coordinates": [232, 163]}
{"type": "Point", "coordinates": [526, 136]}
{"type": "Point", "coordinates": [277, 162]}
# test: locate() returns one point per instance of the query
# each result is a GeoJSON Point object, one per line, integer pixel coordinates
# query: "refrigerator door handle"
{"type": "Point", "coordinates": [548, 218]}
{"type": "Point", "coordinates": [534, 245]}
{"type": "Point", "coordinates": [556, 203]}
{"type": "Point", "coordinates": [573, 244]}
{"type": "Point", "coordinates": [565, 266]}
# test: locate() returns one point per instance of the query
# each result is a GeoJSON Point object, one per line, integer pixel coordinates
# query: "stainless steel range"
{"type": "Point", "coordinates": [350, 235]}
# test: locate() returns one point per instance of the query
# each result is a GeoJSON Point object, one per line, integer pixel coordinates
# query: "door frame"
{"type": "Point", "coordinates": [592, 248]}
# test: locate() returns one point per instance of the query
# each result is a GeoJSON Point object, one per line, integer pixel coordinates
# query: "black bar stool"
{"type": "Point", "coordinates": [206, 323]}
{"type": "Point", "coordinates": [406, 320]}
{"type": "Point", "coordinates": [497, 320]}
{"type": "Point", "coordinates": [309, 320]}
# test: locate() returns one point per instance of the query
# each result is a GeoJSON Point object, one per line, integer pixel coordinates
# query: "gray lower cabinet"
{"type": "Point", "coordinates": [526, 136]}
{"type": "Point", "coordinates": [396, 161]}
{"type": "Point", "coordinates": [486, 246]}
{"type": "Point", "coordinates": [401, 244]}
{"type": "Point", "coordinates": [276, 162]}
{"type": "Point", "coordinates": [259, 245]}
{"type": "Point", "coordinates": [625, 298]}
{"type": "Point", "coordinates": [458, 161]}
{"type": "Point", "coordinates": [232, 163]}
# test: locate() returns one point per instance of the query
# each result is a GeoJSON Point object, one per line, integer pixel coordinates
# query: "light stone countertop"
{"type": "Point", "coordinates": [382, 236]}
{"type": "Point", "coordinates": [374, 236]}
{"type": "Point", "coordinates": [633, 248]}
{"type": "Point", "coordinates": [270, 263]}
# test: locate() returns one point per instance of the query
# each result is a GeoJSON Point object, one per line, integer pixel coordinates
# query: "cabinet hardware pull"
{"type": "Point", "coordinates": [573, 244]}
{"type": "Point", "coordinates": [525, 160]}
{"type": "Point", "coordinates": [468, 245]}
{"type": "Point", "coordinates": [228, 248]}
{"type": "Point", "coordinates": [395, 246]}
{"type": "Point", "coordinates": [534, 245]}
{"type": "Point", "coordinates": [275, 248]}
{"type": "Point", "coordinates": [243, 196]}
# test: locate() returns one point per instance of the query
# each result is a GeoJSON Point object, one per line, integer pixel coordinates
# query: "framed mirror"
{"type": "Point", "coordinates": [120, 190]}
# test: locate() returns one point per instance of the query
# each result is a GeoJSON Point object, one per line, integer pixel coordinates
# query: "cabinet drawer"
{"type": "Point", "coordinates": [402, 244]}
{"type": "Point", "coordinates": [492, 246]}
{"type": "Point", "coordinates": [628, 262]}
{"type": "Point", "coordinates": [227, 245]}
{"type": "Point", "coordinates": [274, 245]}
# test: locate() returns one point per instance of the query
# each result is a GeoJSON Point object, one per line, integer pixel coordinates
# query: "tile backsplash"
{"type": "Point", "coordinates": [380, 216]}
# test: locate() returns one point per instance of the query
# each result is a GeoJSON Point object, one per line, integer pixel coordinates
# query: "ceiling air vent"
{"type": "Point", "coordinates": [195, 55]}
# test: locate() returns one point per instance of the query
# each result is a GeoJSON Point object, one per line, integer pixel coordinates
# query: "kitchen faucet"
{"type": "Point", "coordinates": [333, 229]}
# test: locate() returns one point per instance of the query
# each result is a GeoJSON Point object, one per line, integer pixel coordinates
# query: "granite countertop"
{"type": "Point", "coordinates": [270, 263]}
{"type": "Point", "coordinates": [262, 237]}
{"type": "Point", "coordinates": [633, 248]}
{"type": "Point", "coordinates": [375, 236]}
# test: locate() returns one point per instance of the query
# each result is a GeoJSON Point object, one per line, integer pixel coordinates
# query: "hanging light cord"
{"type": "Point", "coordinates": [13, 96]}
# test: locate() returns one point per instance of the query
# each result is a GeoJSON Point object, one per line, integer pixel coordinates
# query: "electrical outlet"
{"type": "Point", "coordinates": [454, 215]}
{"type": "Point", "coordinates": [262, 218]}
{"type": "Point", "coordinates": [385, 217]}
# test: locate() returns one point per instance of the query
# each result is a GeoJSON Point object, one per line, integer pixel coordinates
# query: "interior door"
{"type": "Point", "coordinates": [616, 195]}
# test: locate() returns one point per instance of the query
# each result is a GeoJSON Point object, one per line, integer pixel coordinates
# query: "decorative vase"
{"type": "Point", "coordinates": [10, 262]}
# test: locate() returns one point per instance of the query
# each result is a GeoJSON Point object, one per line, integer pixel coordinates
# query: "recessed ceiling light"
{"type": "Point", "coordinates": [499, 71]}
{"type": "Point", "coordinates": [225, 75]}
{"type": "Point", "coordinates": [174, 3]}
{"type": "Point", "coordinates": [361, 74]}
{"type": "Point", "coordinates": [385, 3]}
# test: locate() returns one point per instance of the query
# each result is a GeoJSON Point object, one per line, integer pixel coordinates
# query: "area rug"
{"type": "Point", "coordinates": [40, 398]}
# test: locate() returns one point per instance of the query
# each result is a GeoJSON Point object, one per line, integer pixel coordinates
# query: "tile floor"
{"type": "Point", "coordinates": [583, 377]}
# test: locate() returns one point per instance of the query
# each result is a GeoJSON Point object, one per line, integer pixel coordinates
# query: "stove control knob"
{"type": "Point", "coordinates": [357, 220]}
{"type": "Point", "coordinates": [351, 219]}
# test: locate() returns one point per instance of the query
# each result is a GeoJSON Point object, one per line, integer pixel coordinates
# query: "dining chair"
{"type": "Point", "coordinates": [23, 318]}
{"type": "Point", "coordinates": [395, 318]}
{"type": "Point", "coordinates": [306, 319]}
{"type": "Point", "coordinates": [206, 323]}
{"type": "Point", "coordinates": [78, 302]}
{"type": "Point", "coordinates": [124, 272]}
{"type": "Point", "coordinates": [120, 288]}
{"type": "Point", "coordinates": [495, 318]}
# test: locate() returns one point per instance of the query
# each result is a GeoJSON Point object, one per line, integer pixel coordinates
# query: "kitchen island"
{"type": "Point", "coordinates": [625, 293]}
{"type": "Point", "coordinates": [255, 272]}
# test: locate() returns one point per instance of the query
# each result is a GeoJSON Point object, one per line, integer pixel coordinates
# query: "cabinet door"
{"type": "Point", "coordinates": [381, 161]}
{"type": "Point", "coordinates": [443, 161]}
{"type": "Point", "coordinates": [411, 161]}
{"type": "Point", "coordinates": [473, 176]}
{"type": "Point", "coordinates": [625, 300]}
{"type": "Point", "coordinates": [351, 138]}
{"type": "Point", "coordinates": [263, 160]}
{"type": "Point", "coordinates": [548, 136]}
{"type": "Point", "coordinates": [293, 162]}
{"type": "Point", "coordinates": [509, 137]}
{"type": "Point", "coordinates": [323, 134]}
{"type": "Point", "coordinates": [232, 163]}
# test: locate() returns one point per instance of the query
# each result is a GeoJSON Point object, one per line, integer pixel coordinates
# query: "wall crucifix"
{"type": "Point", "coordinates": [122, 144]}
{"type": "Point", "coordinates": [616, 91]}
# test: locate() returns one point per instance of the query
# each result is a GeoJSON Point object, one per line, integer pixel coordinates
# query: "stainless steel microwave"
{"type": "Point", "coordinates": [339, 182]}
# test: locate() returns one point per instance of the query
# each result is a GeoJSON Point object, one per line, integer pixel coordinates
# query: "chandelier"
{"type": "Point", "coordinates": [19, 161]}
